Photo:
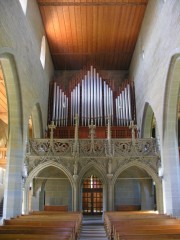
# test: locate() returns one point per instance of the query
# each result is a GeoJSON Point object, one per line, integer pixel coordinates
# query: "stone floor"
{"type": "Point", "coordinates": [93, 228]}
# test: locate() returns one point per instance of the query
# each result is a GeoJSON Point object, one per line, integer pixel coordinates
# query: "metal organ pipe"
{"type": "Point", "coordinates": [129, 102]}
{"type": "Point", "coordinates": [91, 90]}
{"type": "Point", "coordinates": [60, 107]}
{"type": "Point", "coordinates": [126, 106]}
{"type": "Point", "coordinates": [89, 97]}
{"type": "Point", "coordinates": [54, 101]}
{"type": "Point", "coordinates": [123, 107]}
{"type": "Point", "coordinates": [85, 99]}
{"type": "Point", "coordinates": [95, 95]}
{"type": "Point", "coordinates": [105, 99]}
{"type": "Point", "coordinates": [98, 99]}
{"type": "Point", "coordinates": [111, 92]}
{"type": "Point", "coordinates": [57, 104]}
{"type": "Point", "coordinates": [82, 105]}
{"type": "Point", "coordinates": [78, 100]}
{"type": "Point", "coordinates": [101, 100]}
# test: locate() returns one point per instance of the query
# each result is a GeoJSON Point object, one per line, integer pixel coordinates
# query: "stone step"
{"type": "Point", "coordinates": [92, 229]}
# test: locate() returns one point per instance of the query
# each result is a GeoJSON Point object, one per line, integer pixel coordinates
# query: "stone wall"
{"type": "Point", "coordinates": [27, 84]}
{"type": "Point", "coordinates": [155, 69]}
{"type": "Point", "coordinates": [21, 36]}
{"type": "Point", "coordinates": [58, 192]}
{"type": "Point", "coordinates": [158, 41]}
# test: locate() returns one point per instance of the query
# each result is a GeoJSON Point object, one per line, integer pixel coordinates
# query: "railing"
{"type": "Point", "coordinates": [71, 153]}
{"type": "Point", "coordinates": [88, 148]}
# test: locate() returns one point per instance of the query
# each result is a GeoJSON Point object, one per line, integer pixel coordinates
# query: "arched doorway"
{"type": "Point", "coordinates": [92, 196]}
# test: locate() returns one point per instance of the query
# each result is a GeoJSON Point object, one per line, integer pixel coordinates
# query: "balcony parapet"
{"type": "Point", "coordinates": [100, 151]}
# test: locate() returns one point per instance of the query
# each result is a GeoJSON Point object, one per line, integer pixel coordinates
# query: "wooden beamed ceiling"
{"type": "Point", "coordinates": [98, 32]}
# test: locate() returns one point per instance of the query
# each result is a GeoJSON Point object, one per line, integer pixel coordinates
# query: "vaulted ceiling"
{"type": "Point", "coordinates": [98, 32]}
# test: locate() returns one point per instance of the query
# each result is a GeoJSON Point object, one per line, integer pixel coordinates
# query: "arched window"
{"type": "Point", "coordinates": [23, 5]}
{"type": "Point", "coordinates": [43, 51]}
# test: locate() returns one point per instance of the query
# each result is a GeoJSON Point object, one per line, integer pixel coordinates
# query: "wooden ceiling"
{"type": "Point", "coordinates": [98, 32]}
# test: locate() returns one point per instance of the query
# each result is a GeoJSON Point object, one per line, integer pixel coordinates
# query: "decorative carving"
{"type": "Point", "coordinates": [75, 155]}
{"type": "Point", "coordinates": [133, 128]}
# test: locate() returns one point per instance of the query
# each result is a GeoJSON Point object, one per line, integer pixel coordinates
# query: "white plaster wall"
{"type": "Point", "coordinates": [159, 40]}
{"type": "Point", "coordinates": [21, 35]}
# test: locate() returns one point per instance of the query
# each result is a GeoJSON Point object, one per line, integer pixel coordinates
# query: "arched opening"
{"type": "Point", "coordinates": [92, 196]}
{"type": "Point", "coordinates": [50, 187]}
{"type": "Point", "coordinates": [170, 152]}
{"type": "Point", "coordinates": [149, 125]}
{"type": "Point", "coordinates": [94, 177]}
{"type": "Point", "coordinates": [3, 136]}
{"type": "Point", "coordinates": [36, 121]}
{"type": "Point", "coordinates": [134, 190]}
{"type": "Point", "coordinates": [15, 155]}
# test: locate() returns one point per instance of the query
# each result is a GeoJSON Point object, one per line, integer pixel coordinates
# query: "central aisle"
{"type": "Point", "coordinates": [93, 228]}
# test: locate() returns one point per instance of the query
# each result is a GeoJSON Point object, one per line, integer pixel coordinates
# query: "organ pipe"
{"type": "Point", "coordinates": [60, 106]}
{"type": "Point", "coordinates": [129, 102]}
{"type": "Point", "coordinates": [101, 100]}
{"type": "Point", "coordinates": [57, 104]}
{"type": "Point", "coordinates": [123, 106]}
{"type": "Point", "coordinates": [54, 101]}
{"type": "Point", "coordinates": [92, 99]}
{"type": "Point", "coordinates": [126, 106]}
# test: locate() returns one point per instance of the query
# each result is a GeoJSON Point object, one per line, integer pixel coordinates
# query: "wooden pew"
{"type": "Point", "coordinates": [56, 208]}
{"type": "Point", "coordinates": [60, 225]}
{"type": "Point", "coordinates": [126, 225]}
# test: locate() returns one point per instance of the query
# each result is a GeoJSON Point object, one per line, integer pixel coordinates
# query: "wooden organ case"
{"type": "Point", "coordinates": [93, 99]}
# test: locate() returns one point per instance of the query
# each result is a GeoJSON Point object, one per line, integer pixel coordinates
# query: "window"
{"type": "Point", "coordinates": [43, 51]}
{"type": "Point", "coordinates": [23, 5]}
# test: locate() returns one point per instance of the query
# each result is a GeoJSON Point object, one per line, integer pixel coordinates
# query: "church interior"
{"type": "Point", "coordinates": [89, 106]}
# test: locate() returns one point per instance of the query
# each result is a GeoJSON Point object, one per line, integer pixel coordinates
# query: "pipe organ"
{"type": "Point", "coordinates": [60, 107]}
{"type": "Point", "coordinates": [92, 98]}
{"type": "Point", "coordinates": [125, 109]}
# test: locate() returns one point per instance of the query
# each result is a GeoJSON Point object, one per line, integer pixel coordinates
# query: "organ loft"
{"type": "Point", "coordinates": [92, 134]}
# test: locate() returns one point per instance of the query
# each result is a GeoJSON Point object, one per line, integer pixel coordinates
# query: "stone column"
{"type": "Point", "coordinates": [171, 177]}
{"type": "Point", "coordinates": [76, 194]}
{"type": "Point", "coordinates": [110, 194]}
{"type": "Point", "coordinates": [14, 178]}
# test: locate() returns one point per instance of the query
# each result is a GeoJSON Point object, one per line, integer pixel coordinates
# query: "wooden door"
{"type": "Point", "coordinates": [92, 196]}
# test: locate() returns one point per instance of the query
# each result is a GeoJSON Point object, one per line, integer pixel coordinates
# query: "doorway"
{"type": "Point", "coordinates": [92, 196]}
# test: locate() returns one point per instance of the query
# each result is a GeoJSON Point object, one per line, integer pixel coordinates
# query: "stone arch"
{"type": "Point", "coordinates": [39, 168]}
{"type": "Point", "coordinates": [170, 153]}
{"type": "Point", "coordinates": [37, 121]}
{"type": "Point", "coordinates": [147, 121]}
{"type": "Point", "coordinates": [151, 172]}
{"type": "Point", "coordinates": [16, 146]}
{"type": "Point", "coordinates": [100, 173]}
